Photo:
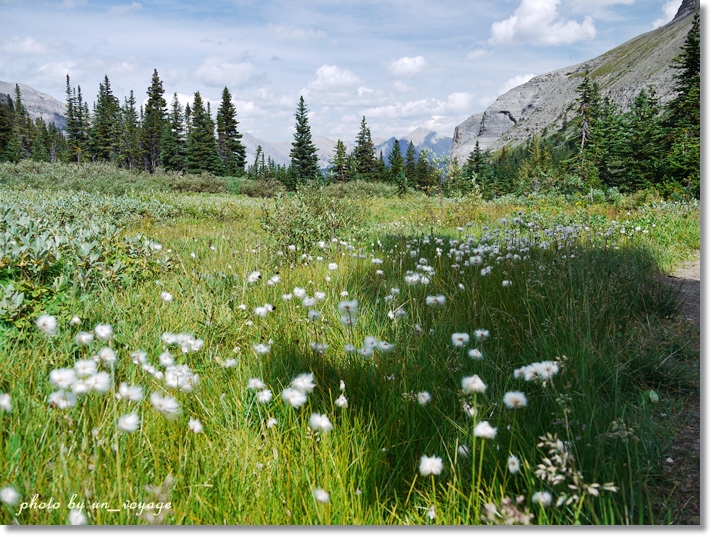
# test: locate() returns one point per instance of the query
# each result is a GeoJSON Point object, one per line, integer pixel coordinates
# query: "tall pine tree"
{"type": "Point", "coordinates": [230, 147]}
{"type": "Point", "coordinates": [305, 161]}
{"type": "Point", "coordinates": [364, 154]}
{"type": "Point", "coordinates": [173, 145]}
{"type": "Point", "coordinates": [154, 123]}
{"type": "Point", "coordinates": [339, 163]}
{"type": "Point", "coordinates": [129, 149]}
{"type": "Point", "coordinates": [105, 128]}
{"type": "Point", "coordinates": [395, 161]}
{"type": "Point", "coordinates": [202, 152]}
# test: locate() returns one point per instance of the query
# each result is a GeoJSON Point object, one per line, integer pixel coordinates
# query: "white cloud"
{"type": "Point", "coordinates": [24, 46]}
{"type": "Point", "coordinates": [51, 72]}
{"type": "Point", "coordinates": [538, 22]}
{"type": "Point", "coordinates": [217, 71]}
{"type": "Point", "coordinates": [669, 11]}
{"type": "Point", "coordinates": [513, 82]}
{"type": "Point", "coordinates": [333, 77]}
{"type": "Point", "coordinates": [122, 68]}
{"type": "Point", "coordinates": [407, 66]}
{"type": "Point", "coordinates": [124, 9]}
{"type": "Point", "coordinates": [477, 53]}
{"type": "Point", "coordinates": [402, 87]}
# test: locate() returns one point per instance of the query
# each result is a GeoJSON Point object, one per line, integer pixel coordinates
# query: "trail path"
{"type": "Point", "coordinates": [686, 450]}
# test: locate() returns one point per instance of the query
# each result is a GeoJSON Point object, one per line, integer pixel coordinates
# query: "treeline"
{"type": "Point", "coordinates": [599, 147]}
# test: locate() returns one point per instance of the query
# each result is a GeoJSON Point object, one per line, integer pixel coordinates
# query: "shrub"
{"type": "Point", "coordinates": [360, 189]}
{"type": "Point", "coordinates": [261, 188]}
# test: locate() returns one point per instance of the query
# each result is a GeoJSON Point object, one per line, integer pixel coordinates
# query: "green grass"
{"type": "Point", "coordinates": [585, 300]}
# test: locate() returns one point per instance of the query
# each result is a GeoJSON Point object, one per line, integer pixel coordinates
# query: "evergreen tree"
{"type": "Point", "coordinates": [230, 147]}
{"type": "Point", "coordinates": [6, 113]}
{"type": "Point", "coordinates": [104, 135]}
{"type": "Point", "coordinates": [395, 161]}
{"type": "Point", "coordinates": [641, 155]}
{"type": "Point", "coordinates": [381, 172]}
{"type": "Point", "coordinates": [411, 161]}
{"type": "Point", "coordinates": [364, 154]}
{"type": "Point", "coordinates": [682, 117]}
{"type": "Point", "coordinates": [173, 145]}
{"type": "Point", "coordinates": [339, 163]}
{"type": "Point", "coordinates": [41, 142]}
{"type": "Point", "coordinates": [129, 145]}
{"type": "Point", "coordinates": [305, 162]}
{"type": "Point", "coordinates": [202, 154]}
{"type": "Point", "coordinates": [154, 123]}
{"type": "Point", "coordinates": [425, 176]}
{"type": "Point", "coordinates": [77, 124]}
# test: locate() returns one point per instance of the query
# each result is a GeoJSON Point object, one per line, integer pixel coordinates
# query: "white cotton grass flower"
{"type": "Point", "coordinates": [513, 464]}
{"type": "Point", "coordinates": [308, 302]}
{"type": "Point", "coordinates": [431, 512]}
{"type": "Point", "coordinates": [473, 384]}
{"type": "Point", "coordinates": [84, 339]}
{"type": "Point", "coordinates": [341, 401]}
{"type": "Point", "coordinates": [542, 498]}
{"type": "Point", "coordinates": [294, 397]}
{"type": "Point", "coordinates": [484, 430]}
{"type": "Point", "coordinates": [129, 423]}
{"type": "Point", "coordinates": [62, 378]}
{"type": "Point", "coordinates": [255, 384]}
{"type": "Point", "coordinates": [264, 396]}
{"type": "Point", "coordinates": [261, 348]}
{"type": "Point", "coordinates": [481, 334]}
{"type": "Point", "coordinates": [475, 354]}
{"type": "Point", "coordinates": [515, 400]}
{"type": "Point", "coordinates": [62, 399]}
{"type": "Point", "coordinates": [348, 307]}
{"type": "Point", "coordinates": [130, 393]}
{"type": "Point", "coordinates": [261, 311]}
{"type": "Point", "coordinates": [430, 465]}
{"type": "Point", "coordinates": [47, 324]}
{"type": "Point", "coordinates": [506, 283]}
{"type": "Point", "coordinates": [101, 382]}
{"type": "Point", "coordinates": [166, 359]}
{"type": "Point", "coordinates": [319, 296]}
{"type": "Point", "coordinates": [460, 339]}
{"type": "Point", "coordinates": [9, 496]}
{"type": "Point", "coordinates": [342, 385]}
{"type": "Point", "coordinates": [253, 276]}
{"type": "Point", "coordinates": [166, 296]}
{"type": "Point", "coordinates": [321, 496]}
{"type": "Point", "coordinates": [384, 347]}
{"type": "Point", "coordinates": [85, 368]}
{"type": "Point", "coordinates": [332, 266]}
{"type": "Point", "coordinates": [75, 321]}
{"type": "Point", "coordinates": [423, 398]}
{"type": "Point", "coordinates": [320, 423]}
{"type": "Point", "coordinates": [107, 356]}
{"type": "Point", "coordinates": [166, 405]}
{"type": "Point", "coordinates": [103, 332]}
{"type": "Point", "coordinates": [435, 301]}
{"type": "Point", "coordinates": [77, 518]}
{"type": "Point", "coordinates": [195, 425]}
{"type": "Point", "coordinates": [304, 383]}
{"type": "Point", "coordinates": [181, 377]}
{"type": "Point", "coordinates": [299, 293]}
{"type": "Point", "coordinates": [313, 315]}
{"type": "Point", "coordinates": [271, 422]}
{"type": "Point", "coordinates": [5, 402]}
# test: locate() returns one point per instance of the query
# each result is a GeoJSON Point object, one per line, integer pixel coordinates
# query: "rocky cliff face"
{"type": "Point", "coordinates": [38, 104]}
{"type": "Point", "coordinates": [546, 100]}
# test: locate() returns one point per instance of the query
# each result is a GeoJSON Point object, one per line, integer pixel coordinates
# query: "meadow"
{"type": "Point", "coordinates": [176, 356]}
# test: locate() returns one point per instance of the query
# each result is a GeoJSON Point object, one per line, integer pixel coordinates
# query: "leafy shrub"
{"type": "Point", "coordinates": [261, 188]}
{"type": "Point", "coordinates": [204, 182]}
{"type": "Point", "coordinates": [360, 189]}
{"type": "Point", "coordinates": [309, 216]}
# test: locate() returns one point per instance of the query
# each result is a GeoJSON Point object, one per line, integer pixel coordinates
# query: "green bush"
{"type": "Point", "coordinates": [261, 188]}
{"type": "Point", "coordinates": [361, 189]}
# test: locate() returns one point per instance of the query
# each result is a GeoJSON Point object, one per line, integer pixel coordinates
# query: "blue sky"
{"type": "Point", "coordinates": [401, 64]}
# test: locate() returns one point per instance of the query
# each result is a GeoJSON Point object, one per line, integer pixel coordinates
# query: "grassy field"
{"type": "Point", "coordinates": [206, 358]}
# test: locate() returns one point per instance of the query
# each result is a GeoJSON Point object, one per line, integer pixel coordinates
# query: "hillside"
{"type": "Point", "coordinates": [545, 101]}
{"type": "Point", "coordinates": [38, 104]}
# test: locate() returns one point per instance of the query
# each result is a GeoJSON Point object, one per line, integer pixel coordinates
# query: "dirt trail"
{"type": "Point", "coordinates": [686, 449]}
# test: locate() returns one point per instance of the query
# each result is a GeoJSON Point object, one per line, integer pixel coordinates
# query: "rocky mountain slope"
{"type": "Point", "coordinates": [545, 101]}
{"type": "Point", "coordinates": [38, 104]}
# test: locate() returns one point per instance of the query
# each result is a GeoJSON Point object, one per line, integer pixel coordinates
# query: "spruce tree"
{"type": "Point", "coordinates": [104, 134]}
{"type": "Point", "coordinates": [202, 154]}
{"type": "Point", "coordinates": [411, 161]}
{"type": "Point", "coordinates": [339, 163]}
{"type": "Point", "coordinates": [6, 109]}
{"type": "Point", "coordinates": [641, 155]}
{"type": "Point", "coordinates": [173, 145]}
{"type": "Point", "coordinates": [230, 147]}
{"type": "Point", "coordinates": [154, 122]}
{"type": "Point", "coordinates": [305, 161]}
{"type": "Point", "coordinates": [364, 154]}
{"type": "Point", "coordinates": [395, 161]}
{"type": "Point", "coordinates": [41, 142]}
{"type": "Point", "coordinates": [129, 147]}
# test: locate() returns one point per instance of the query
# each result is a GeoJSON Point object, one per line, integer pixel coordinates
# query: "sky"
{"type": "Point", "coordinates": [400, 64]}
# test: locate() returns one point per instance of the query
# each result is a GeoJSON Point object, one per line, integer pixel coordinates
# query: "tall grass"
{"type": "Point", "coordinates": [579, 295]}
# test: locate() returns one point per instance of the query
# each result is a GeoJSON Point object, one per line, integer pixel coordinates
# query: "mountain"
{"type": "Point", "coordinates": [37, 104]}
{"type": "Point", "coordinates": [546, 101]}
{"type": "Point", "coordinates": [422, 138]}
{"type": "Point", "coordinates": [251, 142]}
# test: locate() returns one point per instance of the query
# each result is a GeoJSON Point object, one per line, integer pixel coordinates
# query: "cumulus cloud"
{"type": "Point", "coordinates": [431, 107]}
{"type": "Point", "coordinates": [333, 77]}
{"type": "Point", "coordinates": [124, 9]}
{"type": "Point", "coordinates": [407, 66]}
{"type": "Point", "coordinates": [669, 11]}
{"type": "Point", "coordinates": [538, 22]}
{"type": "Point", "coordinates": [477, 53]}
{"type": "Point", "coordinates": [217, 71]}
{"type": "Point", "coordinates": [513, 82]}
